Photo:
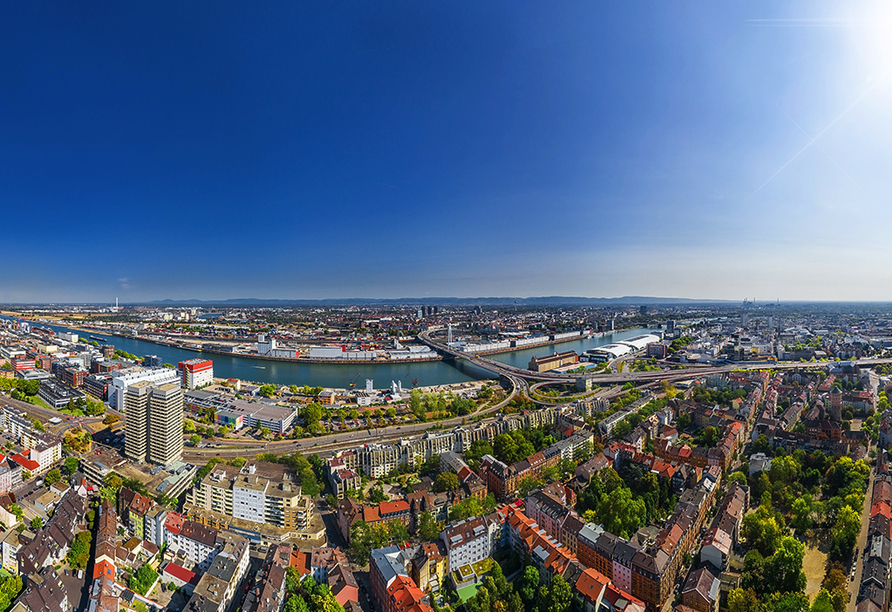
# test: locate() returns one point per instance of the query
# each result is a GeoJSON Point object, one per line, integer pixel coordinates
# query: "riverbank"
{"type": "Point", "coordinates": [322, 361]}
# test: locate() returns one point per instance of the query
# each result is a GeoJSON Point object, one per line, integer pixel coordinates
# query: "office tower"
{"type": "Point", "coordinates": [165, 429]}
{"type": "Point", "coordinates": [136, 402]}
{"type": "Point", "coordinates": [154, 423]}
{"type": "Point", "coordinates": [122, 379]}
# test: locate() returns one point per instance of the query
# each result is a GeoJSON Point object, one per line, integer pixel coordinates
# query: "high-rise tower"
{"type": "Point", "coordinates": [165, 429]}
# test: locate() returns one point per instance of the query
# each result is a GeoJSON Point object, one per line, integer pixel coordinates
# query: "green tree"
{"type": "Point", "coordinates": [556, 596]}
{"type": "Point", "coordinates": [622, 514]}
{"type": "Point", "coordinates": [743, 600]}
{"type": "Point", "coordinates": [529, 583]}
{"type": "Point", "coordinates": [844, 533]}
{"type": "Point", "coordinates": [71, 465]}
{"type": "Point", "coordinates": [427, 527]}
{"type": "Point", "coordinates": [10, 587]}
{"type": "Point", "coordinates": [446, 481]}
{"type": "Point", "coordinates": [143, 579]}
{"type": "Point", "coordinates": [376, 495]}
{"type": "Point", "coordinates": [194, 439]}
{"type": "Point", "coordinates": [738, 477]}
{"type": "Point", "coordinates": [822, 602]}
{"type": "Point", "coordinates": [313, 413]}
{"type": "Point", "coordinates": [79, 552]}
{"type": "Point", "coordinates": [36, 523]}
{"type": "Point", "coordinates": [53, 476]}
{"type": "Point", "coordinates": [267, 390]}
{"type": "Point", "coordinates": [17, 511]}
{"type": "Point", "coordinates": [785, 566]}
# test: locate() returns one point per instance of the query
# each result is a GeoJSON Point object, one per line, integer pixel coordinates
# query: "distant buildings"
{"type": "Point", "coordinates": [550, 362]}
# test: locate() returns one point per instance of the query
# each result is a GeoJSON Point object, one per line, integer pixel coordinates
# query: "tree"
{"type": "Point", "coordinates": [71, 465]}
{"type": "Point", "coordinates": [529, 583]}
{"type": "Point", "coordinates": [844, 533]}
{"type": "Point", "coordinates": [528, 484]}
{"type": "Point", "coordinates": [738, 477]}
{"type": "Point", "coordinates": [36, 523]}
{"type": "Point", "coordinates": [427, 527]}
{"type": "Point", "coordinates": [557, 596]}
{"type": "Point", "coordinates": [446, 481]}
{"type": "Point", "coordinates": [79, 552]}
{"type": "Point", "coordinates": [621, 514]}
{"type": "Point", "coordinates": [801, 511]}
{"type": "Point", "coordinates": [267, 390]}
{"type": "Point", "coordinates": [143, 579]}
{"type": "Point", "coordinates": [17, 511]}
{"type": "Point", "coordinates": [785, 566]}
{"type": "Point", "coordinates": [376, 495]}
{"type": "Point", "coordinates": [194, 439]}
{"type": "Point", "coordinates": [10, 587]}
{"type": "Point", "coordinates": [313, 413]}
{"type": "Point", "coordinates": [110, 419]}
{"type": "Point", "coordinates": [761, 530]}
{"type": "Point", "coordinates": [53, 476]}
{"type": "Point", "coordinates": [822, 602]}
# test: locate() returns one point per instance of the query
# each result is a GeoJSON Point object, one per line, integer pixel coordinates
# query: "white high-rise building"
{"type": "Point", "coordinates": [121, 379]}
{"type": "Point", "coordinates": [154, 422]}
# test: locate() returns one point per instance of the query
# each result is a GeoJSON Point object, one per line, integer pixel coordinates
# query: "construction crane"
{"type": "Point", "coordinates": [353, 381]}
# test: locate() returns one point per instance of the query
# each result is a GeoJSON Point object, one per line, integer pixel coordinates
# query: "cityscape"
{"type": "Point", "coordinates": [445, 307]}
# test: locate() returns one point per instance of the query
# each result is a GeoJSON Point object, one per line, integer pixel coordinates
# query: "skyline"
{"type": "Point", "coordinates": [211, 152]}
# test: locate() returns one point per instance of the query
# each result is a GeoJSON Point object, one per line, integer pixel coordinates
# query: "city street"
{"type": "Point", "coordinates": [862, 540]}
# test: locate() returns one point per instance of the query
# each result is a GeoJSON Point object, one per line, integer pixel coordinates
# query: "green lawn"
{"type": "Point", "coordinates": [466, 593]}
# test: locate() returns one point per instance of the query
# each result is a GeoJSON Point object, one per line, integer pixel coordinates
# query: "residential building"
{"type": "Point", "coordinates": [267, 594]}
{"type": "Point", "coordinates": [701, 591]}
{"type": "Point", "coordinates": [466, 542]}
{"type": "Point", "coordinates": [46, 593]}
{"type": "Point", "coordinates": [121, 379]}
{"type": "Point", "coordinates": [393, 590]}
{"type": "Point", "coordinates": [258, 493]}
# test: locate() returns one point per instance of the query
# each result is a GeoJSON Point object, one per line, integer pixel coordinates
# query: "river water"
{"type": "Point", "coordinates": [341, 375]}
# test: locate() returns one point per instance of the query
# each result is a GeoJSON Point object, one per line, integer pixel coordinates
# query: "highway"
{"type": "Point", "coordinates": [689, 371]}
{"type": "Point", "coordinates": [350, 439]}
{"type": "Point", "coordinates": [520, 385]}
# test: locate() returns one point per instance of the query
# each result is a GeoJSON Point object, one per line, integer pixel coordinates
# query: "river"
{"type": "Point", "coordinates": [423, 374]}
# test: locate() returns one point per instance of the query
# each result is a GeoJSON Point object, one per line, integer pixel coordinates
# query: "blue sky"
{"type": "Point", "coordinates": [218, 150]}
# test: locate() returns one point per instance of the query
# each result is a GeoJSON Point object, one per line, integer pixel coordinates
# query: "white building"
{"type": "Point", "coordinates": [121, 379]}
{"type": "Point", "coordinates": [191, 540]}
{"type": "Point", "coordinates": [466, 542]}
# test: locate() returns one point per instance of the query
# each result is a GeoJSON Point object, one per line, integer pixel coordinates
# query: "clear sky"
{"type": "Point", "coordinates": [362, 149]}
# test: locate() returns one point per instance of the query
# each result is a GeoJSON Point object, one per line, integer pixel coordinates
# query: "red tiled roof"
{"type": "Point", "coordinates": [25, 462]}
{"type": "Point", "coordinates": [301, 562]}
{"type": "Point", "coordinates": [178, 572]}
{"type": "Point", "coordinates": [393, 507]}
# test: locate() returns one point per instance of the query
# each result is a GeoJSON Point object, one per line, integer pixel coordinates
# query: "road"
{"type": "Point", "coordinates": [236, 448]}
{"type": "Point", "coordinates": [862, 542]}
{"type": "Point", "coordinates": [690, 371]}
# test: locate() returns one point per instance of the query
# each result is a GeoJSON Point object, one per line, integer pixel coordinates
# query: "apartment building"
{"type": "Point", "coordinates": [393, 589]}
{"type": "Point", "coordinates": [257, 493]}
